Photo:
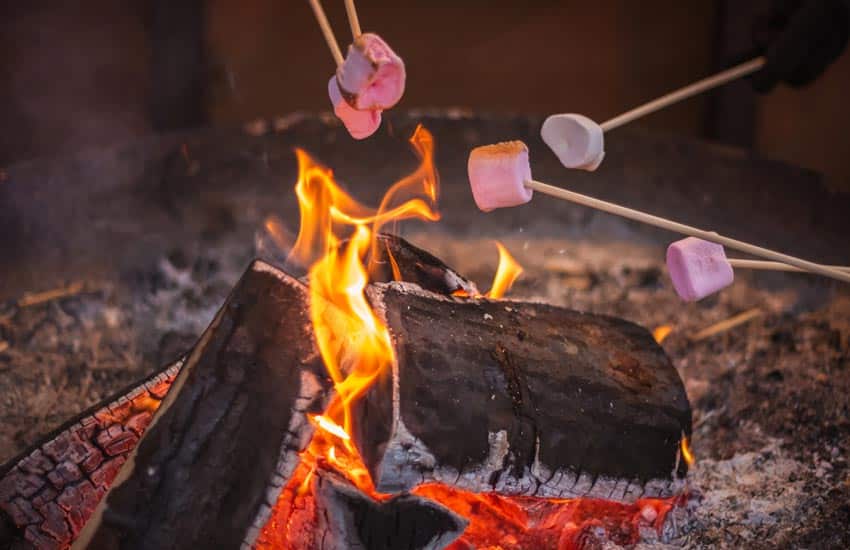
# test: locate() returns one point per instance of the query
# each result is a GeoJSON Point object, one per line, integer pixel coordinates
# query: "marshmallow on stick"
{"type": "Point", "coordinates": [698, 268]}
{"type": "Point", "coordinates": [372, 75]}
{"type": "Point", "coordinates": [500, 176]}
{"type": "Point", "coordinates": [578, 141]}
{"type": "Point", "coordinates": [360, 124]}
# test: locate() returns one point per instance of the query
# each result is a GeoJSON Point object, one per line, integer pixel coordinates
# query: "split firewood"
{"type": "Point", "coordinates": [49, 492]}
{"type": "Point", "coordinates": [348, 519]}
{"type": "Point", "coordinates": [521, 399]}
{"type": "Point", "coordinates": [228, 435]}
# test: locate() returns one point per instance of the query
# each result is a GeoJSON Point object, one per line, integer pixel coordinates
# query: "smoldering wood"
{"type": "Point", "coordinates": [48, 492]}
{"type": "Point", "coordinates": [227, 437]}
{"type": "Point", "coordinates": [521, 399]}
{"type": "Point", "coordinates": [348, 519]}
{"type": "Point", "coordinates": [394, 258]}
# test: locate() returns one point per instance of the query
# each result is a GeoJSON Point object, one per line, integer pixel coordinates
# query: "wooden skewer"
{"type": "Point", "coordinates": [683, 93]}
{"type": "Point", "coordinates": [670, 225]}
{"type": "Point", "coordinates": [353, 21]}
{"type": "Point", "coordinates": [775, 266]}
{"type": "Point", "coordinates": [327, 31]}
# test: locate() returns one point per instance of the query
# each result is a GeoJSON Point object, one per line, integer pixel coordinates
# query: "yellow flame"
{"type": "Point", "coordinates": [661, 332]}
{"type": "Point", "coordinates": [331, 427]}
{"type": "Point", "coordinates": [686, 451]}
{"type": "Point", "coordinates": [354, 343]}
{"type": "Point", "coordinates": [507, 272]}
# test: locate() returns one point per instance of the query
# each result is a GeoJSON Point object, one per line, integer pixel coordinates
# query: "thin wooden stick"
{"type": "Point", "coordinates": [670, 225]}
{"type": "Point", "coordinates": [727, 324]}
{"type": "Point", "coordinates": [684, 93]}
{"type": "Point", "coordinates": [327, 31]}
{"type": "Point", "coordinates": [353, 21]}
{"type": "Point", "coordinates": [35, 298]}
{"type": "Point", "coordinates": [775, 266]}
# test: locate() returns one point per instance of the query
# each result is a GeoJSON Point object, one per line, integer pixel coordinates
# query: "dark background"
{"type": "Point", "coordinates": [76, 75]}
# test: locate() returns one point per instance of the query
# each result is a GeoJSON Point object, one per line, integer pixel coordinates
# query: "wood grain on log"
{"type": "Point", "coordinates": [520, 398]}
{"type": "Point", "coordinates": [48, 493]}
{"type": "Point", "coordinates": [227, 437]}
{"type": "Point", "coordinates": [348, 519]}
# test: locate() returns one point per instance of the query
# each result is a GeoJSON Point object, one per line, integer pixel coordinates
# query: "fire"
{"type": "Point", "coordinates": [508, 272]}
{"type": "Point", "coordinates": [336, 237]}
{"type": "Point", "coordinates": [687, 454]}
{"type": "Point", "coordinates": [661, 332]}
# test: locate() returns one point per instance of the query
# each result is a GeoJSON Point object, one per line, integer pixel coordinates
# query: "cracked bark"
{"type": "Point", "coordinates": [521, 398]}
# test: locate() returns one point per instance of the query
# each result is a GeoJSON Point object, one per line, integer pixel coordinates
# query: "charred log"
{"type": "Point", "coordinates": [395, 259]}
{"type": "Point", "coordinates": [522, 399]}
{"type": "Point", "coordinates": [227, 437]}
{"type": "Point", "coordinates": [348, 519]}
{"type": "Point", "coordinates": [49, 492]}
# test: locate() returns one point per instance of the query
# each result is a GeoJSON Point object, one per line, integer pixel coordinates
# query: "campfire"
{"type": "Point", "coordinates": [379, 401]}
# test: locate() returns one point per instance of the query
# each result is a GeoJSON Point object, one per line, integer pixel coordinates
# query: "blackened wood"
{"type": "Point", "coordinates": [521, 398]}
{"type": "Point", "coordinates": [227, 436]}
{"type": "Point", "coordinates": [48, 492]}
{"type": "Point", "coordinates": [348, 519]}
{"type": "Point", "coordinates": [394, 258]}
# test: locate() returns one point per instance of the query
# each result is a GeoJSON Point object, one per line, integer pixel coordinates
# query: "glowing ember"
{"type": "Point", "coordinates": [336, 236]}
{"type": "Point", "coordinates": [661, 332]}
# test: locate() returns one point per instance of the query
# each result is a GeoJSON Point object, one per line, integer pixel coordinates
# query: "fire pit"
{"type": "Point", "coordinates": [399, 475]}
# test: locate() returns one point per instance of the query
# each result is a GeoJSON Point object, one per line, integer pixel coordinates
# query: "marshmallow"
{"type": "Point", "coordinates": [372, 75]}
{"type": "Point", "coordinates": [360, 124]}
{"type": "Point", "coordinates": [698, 268]}
{"type": "Point", "coordinates": [575, 139]}
{"type": "Point", "coordinates": [497, 174]}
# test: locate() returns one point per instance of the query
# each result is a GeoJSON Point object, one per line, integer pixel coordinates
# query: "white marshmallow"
{"type": "Point", "coordinates": [372, 75]}
{"type": "Point", "coordinates": [698, 268]}
{"type": "Point", "coordinates": [577, 141]}
{"type": "Point", "coordinates": [497, 175]}
{"type": "Point", "coordinates": [360, 124]}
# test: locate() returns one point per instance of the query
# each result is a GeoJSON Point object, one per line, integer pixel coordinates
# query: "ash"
{"type": "Point", "coordinates": [771, 396]}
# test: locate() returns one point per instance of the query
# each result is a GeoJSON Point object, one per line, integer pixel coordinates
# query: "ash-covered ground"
{"type": "Point", "coordinates": [771, 395]}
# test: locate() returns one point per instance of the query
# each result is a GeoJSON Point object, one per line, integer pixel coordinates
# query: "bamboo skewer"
{"type": "Point", "coordinates": [670, 225]}
{"type": "Point", "coordinates": [775, 266]}
{"type": "Point", "coordinates": [353, 21]}
{"type": "Point", "coordinates": [691, 90]}
{"type": "Point", "coordinates": [327, 32]}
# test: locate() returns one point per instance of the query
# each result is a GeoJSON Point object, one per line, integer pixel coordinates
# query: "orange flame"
{"type": "Point", "coordinates": [507, 272]}
{"type": "Point", "coordinates": [687, 454]}
{"type": "Point", "coordinates": [661, 333]}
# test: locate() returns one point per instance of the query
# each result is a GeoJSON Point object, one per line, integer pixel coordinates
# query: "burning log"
{"type": "Point", "coordinates": [521, 399]}
{"type": "Point", "coordinates": [227, 436]}
{"type": "Point", "coordinates": [351, 520]}
{"type": "Point", "coordinates": [48, 493]}
{"type": "Point", "coordinates": [395, 259]}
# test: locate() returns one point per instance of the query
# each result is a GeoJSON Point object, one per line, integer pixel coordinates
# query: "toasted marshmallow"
{"type": "Point", "coordinates": [360, 124]}
{"type": "Point", "coordinates": [497, 175]}
{"type": "Point", "coordinates": [698, 268]}
{"type": "Point", "coordinates": [372, 75]}
{"type": "Point", "coordinates": [577, 141]}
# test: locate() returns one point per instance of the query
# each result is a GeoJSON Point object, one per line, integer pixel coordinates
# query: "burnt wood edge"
{"type": "Point", "coordinates": [541, 482]}
{"type": "Point", "coordinates": [276, 481]}
{"type": "Point", "coordinates": [102, 404]}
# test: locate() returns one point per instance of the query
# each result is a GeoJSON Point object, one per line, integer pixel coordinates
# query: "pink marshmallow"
{"type": "Point", "coordinates": [497, 175]}
{"type": "Point", "coordinates": [360, 124]}
{"type": "Point", "coordinates": [698, 268]}
{"type": "Point", "coordinates": [372, 75]}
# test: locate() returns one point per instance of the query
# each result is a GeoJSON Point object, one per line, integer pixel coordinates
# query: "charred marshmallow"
{"type": "Point", "coordinates": [360, 124]}
{"type": "Point", "coordinates": [372, 75]}
{"type": "Point", "coordinates": [576, 140]}
{"type": "Point", "coordinates": [497, 175]}
{"type": "Point", "coordinates": [698, 268]}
